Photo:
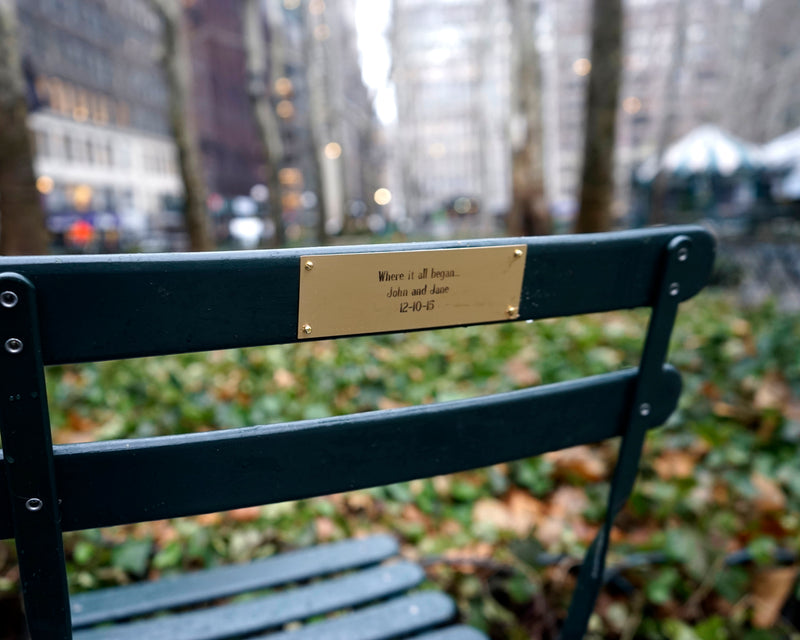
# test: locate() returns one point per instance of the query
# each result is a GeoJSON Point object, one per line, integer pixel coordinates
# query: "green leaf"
{"type": "Point", "coordinates": [732, 583]}
{"type": "Point", "coordinates": [677, 630]}
{"type": "Point", "coordinates": [763, 549]}
{"type": "Point", "coordinates": [83, 552]}
{"type": "Point", "coordinates": [169, 557]}
{"type": "Point", "coordinates": [712, 629]}
{"type": "Point", "coordinates": [659, 590]}
{"type": "Point", "coordinates": [465, 491]}
{"type": "Point", "coordinates": [132, 556]}
{"type": "Point", "coordinates": [520, 588]}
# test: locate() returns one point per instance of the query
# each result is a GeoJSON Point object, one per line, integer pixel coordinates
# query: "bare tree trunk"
{"type": "Point", "coordinates": [597, 179]}
{"type": "Point", "coordinates": [528, 215]}
{"type": "Point", "coordinates": [672, 103]}
{"type": "Point", "coordinates": [22, 226]}
{"type": "Point", "coordinates": [177, 69]}
{"type": "Point", "coordinates": [264, 114]}
{"type": "Point", "coordinates": [318, 120]}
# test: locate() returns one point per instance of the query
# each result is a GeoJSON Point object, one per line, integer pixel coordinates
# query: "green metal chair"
{"type": "Point", "coordinates": [56, 310]}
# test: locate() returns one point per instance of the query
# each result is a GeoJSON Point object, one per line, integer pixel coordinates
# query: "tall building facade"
{"type": "Point", "coordinates": [99, 113]}
{"type": "Point", "coordinates": [104, 156]}
{"type": "Point", "coordinates": [232, 153]}
{"type": "Point", "coordinates": [451, 73]}
{"type": "Point", "coordinates": [685, 63]}
{"type": "Point", "coordinates": [342, 117]}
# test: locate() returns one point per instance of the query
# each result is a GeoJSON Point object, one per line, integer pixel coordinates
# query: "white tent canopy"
{"type": "Point", "coordinates": [784, 151]}
{"type": "Point", "coordinates": [782, 155]}
{"type": "Point", "coordinates": [706, 149]}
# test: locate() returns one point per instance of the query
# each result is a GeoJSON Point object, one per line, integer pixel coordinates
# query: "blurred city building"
{"type": "Point", "coordinates": [228, 138]}
{"type": "Point", "coordinates": [351, 159]}
{"type": "Point", "coordinates": [232, 150]}
{"type": "Point", "coordinates": [686, 63]}
{"type": "Point", "coordinates": [104, 157]}
{"type": "Point", "coordinates": [451, 66]}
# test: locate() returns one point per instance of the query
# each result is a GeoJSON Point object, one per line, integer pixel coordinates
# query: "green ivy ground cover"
{"type": "Point", "coordinates": [722, 476]}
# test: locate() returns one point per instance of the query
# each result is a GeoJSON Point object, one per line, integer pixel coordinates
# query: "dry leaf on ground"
{"type": "Point", "coordinates": [582, 461]}
{"type": "Point", "coordinates": [245, 514]}
{"type": "Point", "coordinates": [769, 496]}
{"type": "Point", "coordinates": [772, 393]}
{"type": "Point", "coordinates": [771, 587]}
{"type": "Point", "coordinates": [675, 463]}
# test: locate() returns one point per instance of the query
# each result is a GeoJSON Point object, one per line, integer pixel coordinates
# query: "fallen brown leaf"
{"type": "Point", "coordinates": [361, 501]}
{"type": "Point", "coordinates": [710, 390]}
{"type": "Point", "coordinates": [771, 587]}
{"type": "Point", "coordinates": [325, 528]}
{"type": "Point", "coordinates": [522, 373]}
{"type": "Point", "coordinates": [389, 403]}
{"type": "Point", "coordinates": [675, 463]}
{"type": "Point", "coordinates": [209, 519]}
{"type": "Point", "coordinates": [491, 511]}
{"type": "Point", "coordinates": [769, 495]}
{"type": "Point", "coordinates": [245, 514]}
{"type": "Point", "coordinates": [582, 461]}
{"type": "Point", "coordinates": [568, 502]}
{"type": "Point", "coordinates": [284, 379]}
{"type": "Point", "coordinates": [412, 513]}
{"type": "Point", "coordinates": [477, 551]}
{"type": "Point", "coordinates": [773, 393]}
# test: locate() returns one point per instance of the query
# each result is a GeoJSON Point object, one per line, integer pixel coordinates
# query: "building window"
{"type": "Point", "coordinates": [43, 144]}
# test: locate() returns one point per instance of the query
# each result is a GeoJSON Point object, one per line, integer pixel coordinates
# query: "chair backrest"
{"type": "Point", "coordinates": [86, 308]}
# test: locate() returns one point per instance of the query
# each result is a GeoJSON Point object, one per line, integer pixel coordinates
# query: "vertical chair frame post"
{"type": "Point", "coordinates": [646, 395]}
{"type": "Point", "coordinates": [28, 453]}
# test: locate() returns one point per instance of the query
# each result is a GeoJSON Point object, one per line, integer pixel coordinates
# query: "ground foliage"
{"type": "Point", "coordinates": [722, 476]}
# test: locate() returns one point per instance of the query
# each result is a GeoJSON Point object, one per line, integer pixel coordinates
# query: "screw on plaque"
{"type": "Point", "coordinates": [309, 265]}
{"type": "Point", "coordinates": [517, 253]}
{"type": "Point", "coordinates": [307, 329]}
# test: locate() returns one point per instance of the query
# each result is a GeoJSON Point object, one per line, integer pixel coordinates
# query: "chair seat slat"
{"type": "Point", "coordinates": [459, 632]}
{"type": "Point", "coordinates": [275, 610]}
{"type": "Point", "coordinates": [394, 619]}
{"type": "Point", "coordinates": [201, 586]}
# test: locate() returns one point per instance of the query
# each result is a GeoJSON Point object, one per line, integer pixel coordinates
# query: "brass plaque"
{"type": "Point", "coordinates": [359, 293]}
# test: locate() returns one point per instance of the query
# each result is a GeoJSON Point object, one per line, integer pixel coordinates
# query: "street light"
{"type": "Point", "coordinates": [383, 196]}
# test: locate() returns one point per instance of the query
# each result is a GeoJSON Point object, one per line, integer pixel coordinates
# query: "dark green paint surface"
{"type": "Point", "coordinates": [109, 483]}
{"type": "Point", "coordinates": [107, 307]}
{"type": "Point", "coordinates": [128, 601]}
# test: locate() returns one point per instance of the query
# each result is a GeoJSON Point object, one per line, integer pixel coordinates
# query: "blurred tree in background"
{"type": "Point", "coordinates": [319, 110]}
{"type": "Point", "coordinates": [260, 99]}
{"type": "Point", "coordinates": [597, 176]}
{"type": "Point", "coordinates": [22, 226]}
{"type": "Point", "coordinates": [528, 215]}
{"type": "Point", "coordinates": [666, 132]}
{"type": "Point", "coordinates": [177, 68]}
